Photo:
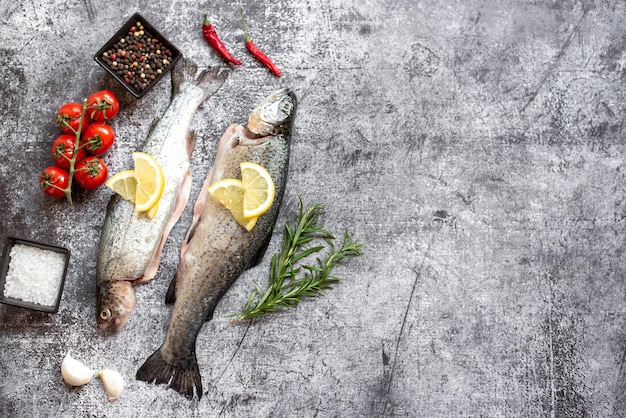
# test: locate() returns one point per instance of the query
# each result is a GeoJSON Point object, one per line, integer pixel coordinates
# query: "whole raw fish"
{"type": "Point", "coordinates": [217, 249]}
{"type": "Point", "coordinates": [131, 243]}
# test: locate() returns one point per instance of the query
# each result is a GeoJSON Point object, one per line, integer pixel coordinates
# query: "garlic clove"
{"type": "Point", "coordinates": [74, 372]}
{"type": "Point", "coordinates": [113, 383]}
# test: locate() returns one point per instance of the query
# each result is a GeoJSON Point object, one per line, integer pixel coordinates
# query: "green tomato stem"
{"type": "Point", "coordinates": [72, 170]}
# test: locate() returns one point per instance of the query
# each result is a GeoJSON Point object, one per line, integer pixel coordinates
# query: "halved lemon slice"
{"type": "Point", "coordinates": [259, 189]}
{"type": "Point", "coordinates": [124, 184]}
{"type": "Point", "coordinates": [152, 212]}
{"type": "Point", "coordinates": [230, 194]}
{"type": "Point", "coordinates": [150, 181]}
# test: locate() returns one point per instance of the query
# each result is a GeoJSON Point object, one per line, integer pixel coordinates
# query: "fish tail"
{"type": "Point", "coordinates": [183, 377]}
{"type": "Point", "coordinates": [209, 79]}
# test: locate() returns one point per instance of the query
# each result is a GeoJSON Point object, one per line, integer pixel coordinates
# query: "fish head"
{"type": "Point", "coordinates": [274, 115]}
{"type": "Point", "coordinates": [116, 301]}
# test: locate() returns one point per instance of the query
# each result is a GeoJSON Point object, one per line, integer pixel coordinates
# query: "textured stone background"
{"type": "Point", "coordinates": [476, 147]}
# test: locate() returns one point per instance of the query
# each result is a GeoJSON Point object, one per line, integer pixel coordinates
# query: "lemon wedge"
{"type": "Point", "coordinates": [248, 198]}
{"type": "Point", "coordinates": [124, 184]}
{"type": "Point", "coordinates": [150, 181]}
{"type": "Point", "coordinates": [152, 212]}
{"type": "Point", "coordinates": [259, 189]}
{"type": "Point", "coordinates": [230, 194]}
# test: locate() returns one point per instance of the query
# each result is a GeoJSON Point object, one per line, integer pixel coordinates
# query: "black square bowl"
{"type": "Point", "coordinates": [4, 269]}
{"type": "Point", "coordinates": [152, 53]}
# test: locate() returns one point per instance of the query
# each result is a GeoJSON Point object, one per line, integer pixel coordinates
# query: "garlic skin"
{"type": "Point", "coordinates": [113, 383]}
{"type": "Point", "coordinates": [74, 372]}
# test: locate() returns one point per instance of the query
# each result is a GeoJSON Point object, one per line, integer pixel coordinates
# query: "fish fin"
{"type": "Point", "coordinates": [260, 252]}
{"type": "Point", "coordinates": [183, 377]}
{"type": "Point", "coordinates": [170, 295]}
{"type": "Point", "coordinates": [190, 232]}
{"type": "Point", "coordinates": [179, 206]}
{"type": "Point", "coordinates": [192, 137]}
{"type": "Point", "coordinates": [210, 79]}
{"type": "Point", "coordinates": [198, 208]}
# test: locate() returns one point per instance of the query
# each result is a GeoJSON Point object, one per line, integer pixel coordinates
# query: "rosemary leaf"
{"type": "Point", "coordinates": [286, 288]}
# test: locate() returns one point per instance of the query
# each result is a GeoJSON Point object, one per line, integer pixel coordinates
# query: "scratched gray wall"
{"type": "Point", "coordinates": [476, 147]}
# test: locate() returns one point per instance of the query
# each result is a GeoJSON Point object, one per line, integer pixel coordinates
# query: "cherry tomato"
{"type": "Point", "coordinates": [68, 117]}
{"type": "Point", "coordinates": [91, 172]}
{"type": "Point", "coordinates": [63, 151]}
{"type": "Point", "coordinates": [106, 105]}
{"type": "Point", "coordinates": [52, 179]}
{"type": "Point", "coordinates": [98, 138]}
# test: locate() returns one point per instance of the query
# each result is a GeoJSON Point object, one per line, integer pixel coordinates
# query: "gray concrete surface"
{"type": "Point", "coordinates": [476, 147]}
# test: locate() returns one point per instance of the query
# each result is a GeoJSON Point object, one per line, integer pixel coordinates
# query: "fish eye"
{"type": "Point", "coordinates": [105, 314]}
{"type": "Point", "coordinates": [286, 105]}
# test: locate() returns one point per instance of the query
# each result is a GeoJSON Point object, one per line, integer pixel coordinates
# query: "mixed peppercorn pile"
{"type": "Point", "coordinates": [138, 58]}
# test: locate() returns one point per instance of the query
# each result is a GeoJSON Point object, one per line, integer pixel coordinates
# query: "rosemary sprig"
{"type": "Point", "coordinates": [287, 287]}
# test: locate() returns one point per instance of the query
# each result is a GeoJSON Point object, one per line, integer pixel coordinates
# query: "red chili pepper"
{"type": "Point", "coordinates": [256, 52]}
{"type": "Point", "coordinates": [209, 33]}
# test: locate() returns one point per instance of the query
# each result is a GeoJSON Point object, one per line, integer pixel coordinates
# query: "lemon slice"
{"type": "Point", "coordinates": [124, 184]}
{"type": "Point", "coordinates": [150, 181]}
{"type": "Point", "coordinates": [152, 212]}
{"type": "Point", "coordinates": [259, 189]}
{"type": "Point", "coordinates": [230, 194]}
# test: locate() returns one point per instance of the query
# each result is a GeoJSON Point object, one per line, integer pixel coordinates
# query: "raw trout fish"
{"type": "Point", "coordinates": [217, 249]}
{"type": "Point", "coordinates": [131, 243]}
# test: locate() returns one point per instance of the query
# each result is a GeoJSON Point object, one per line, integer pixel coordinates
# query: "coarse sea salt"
{"type": "Point", "coordinates": [34, 274]}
